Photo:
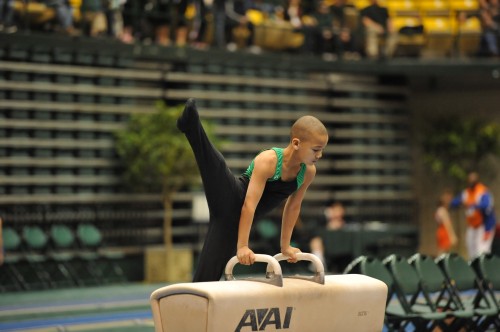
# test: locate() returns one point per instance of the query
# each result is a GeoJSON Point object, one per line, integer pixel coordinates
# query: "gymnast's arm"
{"type": "Point", "coordinates": [264, 167]}
{"type": "Point", "coordinates": [291, 214]}
{"type": "Point", "coordinates": [457, 201]}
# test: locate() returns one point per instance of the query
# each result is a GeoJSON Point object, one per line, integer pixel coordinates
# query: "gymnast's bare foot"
{"type": "Point", "coordinates": [188, 116]}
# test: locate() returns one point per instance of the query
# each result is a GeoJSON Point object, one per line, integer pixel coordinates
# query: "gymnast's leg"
{"type": "Point", "coordinates": [224, 196]}
{"type": "Point", "coordinates": [219, 183]}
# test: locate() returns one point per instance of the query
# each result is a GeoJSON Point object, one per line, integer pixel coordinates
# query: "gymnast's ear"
{"type": "Point", "coordinates": [295, 143]}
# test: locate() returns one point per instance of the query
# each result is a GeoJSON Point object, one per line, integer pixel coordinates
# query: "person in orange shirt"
{"type": "Point", "coordinates": [445, 233]}
{"type": "Point", "coordinates": [480, 214]}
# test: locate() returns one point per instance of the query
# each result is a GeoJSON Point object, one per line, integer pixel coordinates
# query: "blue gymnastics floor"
{"type": "Point", "coordinates": [107, 308]}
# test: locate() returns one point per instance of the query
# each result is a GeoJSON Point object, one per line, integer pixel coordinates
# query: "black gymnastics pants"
{"type": "Point", "coordinates": [225, 194]}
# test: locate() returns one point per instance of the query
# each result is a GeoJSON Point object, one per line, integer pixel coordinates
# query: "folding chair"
{"type": "Point", "coordinates": [435, 289]}
{"type": "Point", "coordinates": [487, 268]}
{"type": "Point", "coordinates": [35, 274]}
{"type": "Point", "coordinates": [99, 263]}
{"type": "Point", "coordinates": [10, 277]}
{"type": "Point", "coordinates": [407, 286]}
{"type": "Point", "coordinates": [398, 315]}
{"type": "Point", "coordinates": [461, 278]}
{"type": "Point", "coordinates": [63, 240]}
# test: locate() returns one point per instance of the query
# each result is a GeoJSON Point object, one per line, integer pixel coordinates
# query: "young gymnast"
{"type": "Point", "coordinates": [275, 175]}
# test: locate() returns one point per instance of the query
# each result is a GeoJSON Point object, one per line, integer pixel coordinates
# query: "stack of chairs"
{"type": "Point", "coordinates": [445, 293]}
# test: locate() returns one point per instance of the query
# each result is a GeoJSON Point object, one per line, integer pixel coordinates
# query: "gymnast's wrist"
{"type": "Point", "coordinates": [241, 245]}
{"type": "Point", "coordinates": [285, 246]}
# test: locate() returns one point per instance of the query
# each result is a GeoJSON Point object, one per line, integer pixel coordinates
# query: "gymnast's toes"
{"type": "Point", "coordinates": [189, 115]}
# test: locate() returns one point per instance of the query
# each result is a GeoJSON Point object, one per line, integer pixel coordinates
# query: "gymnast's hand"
{"type": "Point", "coordinates": [245, 255]}
{"type": "Point", "coordinates": [291, 253]}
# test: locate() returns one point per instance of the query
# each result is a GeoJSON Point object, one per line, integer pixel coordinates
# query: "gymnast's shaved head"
{"type": "Point", "coordinates": [307, 127]}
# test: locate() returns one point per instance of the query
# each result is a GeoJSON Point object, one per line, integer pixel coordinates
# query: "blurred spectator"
{"type": "Point", "coordinates": [200, 30]}
{"type": "Point", "coordinates": [114, 18]}
{"type": "Point", "coordinates": [480, 215]}
{"type": "Point", "coordinates": [345, 45]}
{"type": "Point", "coordinates": [240, 30]}
{"type": "Point", "coordinates": [299, 16]}
{"type": "Point", "coordinates": [127, 34]}
{"type": "Point", "coordinates": [101, 17]}
{"type": "Point", "coordinates": [7, 16]}
{"type": "Point", "coordinates": [445, 233]}
{"type": "Point", "coordinates": [378, 30]}
{"type": "Point", "coordinates": [161, 19]}
{"type": "Point", "coordinates": [93, 18]}
{"type": "Point", "coordinates": [490, 20]}
{"type": "Point", "coordinates": [209, 24]}
{"type": "Point", "coordinates": [64, 15]}
{"type": "Point", "coordinates": [324, 37]}
{"type": "Point", "coordinates": [243, 16]}
{"type": "Point", "coordinates": [334, 216]}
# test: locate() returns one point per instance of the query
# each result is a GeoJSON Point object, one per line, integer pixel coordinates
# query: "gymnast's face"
{"type": "Point", "coordinates": [311, 149]}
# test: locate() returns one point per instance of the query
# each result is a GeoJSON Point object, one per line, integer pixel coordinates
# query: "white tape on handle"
{"type": "Point", "coordinates": [319, 275]}
{"type": "Point", "coordinates": [272, 263]}
{"type": "Point", "coordinates": [302, 256]}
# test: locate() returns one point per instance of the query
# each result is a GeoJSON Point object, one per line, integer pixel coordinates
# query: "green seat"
{"type": "Point", "coordinates": [62, 236]}
{"type": "Point", "coordinates": [267, 232]}
{"type": "Point", "coordinates": [36, 240]}
{"type": "Point", "coordinates": [267, 229]}
{"type": "Point", "coordinates": [435, 289]}
{"type": "Point", "coordinates": [461, 278]}
{"type": "Point", "coordinates": [89, 235]}
{"type": "Point", "coordinates": [407, 285]}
